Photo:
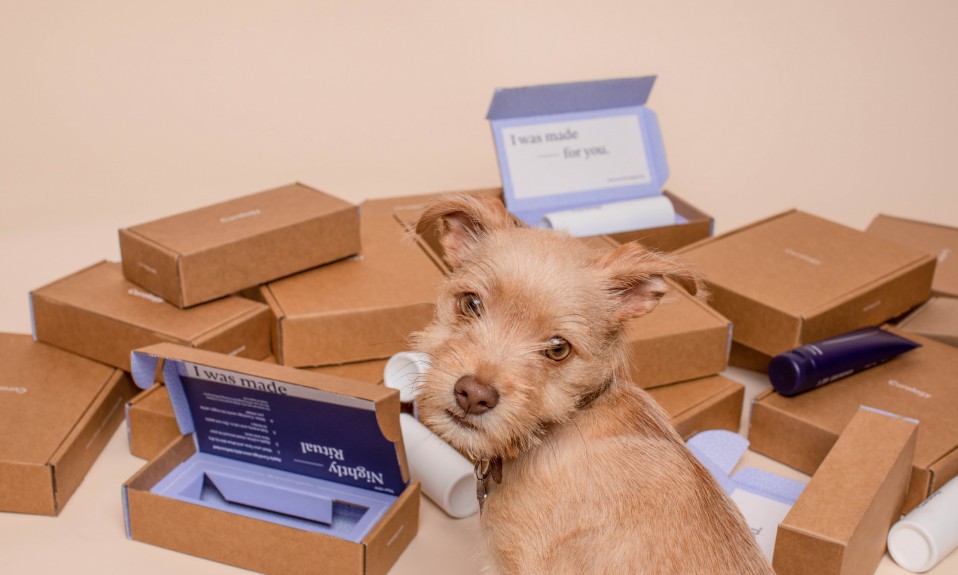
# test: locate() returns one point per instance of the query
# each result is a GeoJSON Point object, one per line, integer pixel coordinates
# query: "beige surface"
{"type": "Point", "coordinates": [116, 113]}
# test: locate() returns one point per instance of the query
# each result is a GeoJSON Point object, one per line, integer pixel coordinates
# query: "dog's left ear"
{"type": "Point", "coordinates": [636, 279]}
{"type": "Point", "coordinates": [462, 220]}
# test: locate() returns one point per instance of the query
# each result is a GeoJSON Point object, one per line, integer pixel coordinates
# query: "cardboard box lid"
{"type": "Point", "coordinates": [937, 318]}
{"type": "Point", "coordinates": [308, 414]}
{"type": "Point", "coordinates": [795, 277]}
{"type": "Point", "coordinates": [797, 262]}
{"type": "Point", "coordinates": [919, 384]}
{"type": "Point", "coordinates": [389, 273]}
{"type": "Point", "coordinates": [101, 289]}
{"type": "Point", "coordinates": [44, 392]}
{"type": "Point", "coordinates": [934, 239]}
{"type": "Point", "coordinates": [199, 230]}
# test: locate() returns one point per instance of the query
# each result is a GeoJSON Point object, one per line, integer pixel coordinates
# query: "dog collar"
{"type": "Point", "coordinates": [487, 467]}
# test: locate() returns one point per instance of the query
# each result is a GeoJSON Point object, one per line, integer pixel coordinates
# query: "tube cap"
{"type": "Point", "coordinates": [790, 373]}
{"type": "Point", "coordinates": [912, 547]}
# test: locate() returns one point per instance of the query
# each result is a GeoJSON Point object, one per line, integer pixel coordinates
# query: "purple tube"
{"type": "Point", "coordinates": [822, 362]}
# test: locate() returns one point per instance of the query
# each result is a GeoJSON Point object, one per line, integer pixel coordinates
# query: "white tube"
{"type": "Point", "coordinates": [447, 477]}
{"type": "Point", "coordinates": [612, 218]}
{"type": "Point", "coordinates": [928, 533]}
{"type": "Point", "coordinates": [403, 371]}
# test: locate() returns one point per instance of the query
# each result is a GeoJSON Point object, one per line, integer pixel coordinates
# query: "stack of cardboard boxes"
{"type": "Point", "coordinates": [296, 277]}
{"type": "Point", "coordinates": [794, 279]}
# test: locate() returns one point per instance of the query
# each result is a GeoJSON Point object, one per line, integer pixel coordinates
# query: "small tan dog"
{"type": "Point", "coordinates": [529, 369]}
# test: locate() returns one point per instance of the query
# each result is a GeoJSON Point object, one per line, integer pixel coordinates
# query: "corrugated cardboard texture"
{"type": "Point", "coordinates": [936, 240]}
{"type": "Point", "coordinates": [920, 384]}
{"type": "Point", "coordinates": [795, 278]}
{"type": "Point", "coordinates": [839, 524]}
{"type": "Point", "coordinates": [204, 254]}
{"type": "Point", "coordinates": [259, 545]}
{"type": "Point", "coordinates": [99, 314]}
{"type": "Point", "coordinates": [708, 403]}
{"type": "Point", "coordinates": [57, 412]}
{"type": "Point", "coordinates": [937, 318]}
{"type": "Point", "coordinates": [151, 423]}
{"type": "Point", "coordinates": [357, 309]}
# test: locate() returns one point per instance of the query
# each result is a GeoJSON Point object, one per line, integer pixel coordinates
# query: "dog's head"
{"type": "Point", "coordinates": [528, 325]}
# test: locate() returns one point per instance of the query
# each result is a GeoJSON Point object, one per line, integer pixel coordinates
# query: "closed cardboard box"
{"type": "Point", "coordinates": [151, 423]}
{"type": "Point", "coordinates": [279, 470]}
{"type": "Point", "coordinates": [796, 278]}
{"type": "Point", "coordinates": [939, 241]}
{"type": "Point", "coordinates": [799, 431]}
{"type": "Point", "coordinates": [839, 524]}
{"type": "Point", "coordinates": [57, 413]}
{"type": "Point", "coordinates": [204, 254]}
{"type": "Point", "coordinates": [357, 309]}
{"type": "Point", "coordinates": [99, 314]}
{"type": "Point", "coordinates": [713, 402]}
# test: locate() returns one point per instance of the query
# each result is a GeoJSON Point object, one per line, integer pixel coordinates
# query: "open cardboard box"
{"type": "Point", "coordinates": [795, 278]}
{"type": "Point", "coordinates": [799, 431]}
{"type": "Point", "coordinates": [57, 413]}
{"type": "Point", "coordinates": [211, 252]}
{"type": "Point", "coordinates": [99, 314]}
{"type": "Point", "coordinates": [840, 522]}
{"type": "Point", "coordinates": [937, 318]}
{"type": "Point", "coordinates": [936, 240]}
{"type": "Point", "coordinates": [279, 469]}
{"type": "Point", "coordinates": [357, 309]}
{"type": "Point", "coordinates": [713, 402]}
{"type": "Point", "coordinates": [151, 423]}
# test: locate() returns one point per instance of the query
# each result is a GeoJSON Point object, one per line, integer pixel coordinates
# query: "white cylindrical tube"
{"type": "Point", "coordinates": [447, 477]}
{"type": "Point", "coordinates": [613, 218]}
{"type": "Point", "coordinates": [928, 533]}
{"type": "Point", "coordinates": [403, 371]}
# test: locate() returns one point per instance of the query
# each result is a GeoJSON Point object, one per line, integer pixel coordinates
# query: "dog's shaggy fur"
{"type": "Point", "coordinates": [595, 478]}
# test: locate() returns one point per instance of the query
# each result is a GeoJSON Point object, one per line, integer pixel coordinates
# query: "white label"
{"type": "Point", "coordinates": [573, 156]}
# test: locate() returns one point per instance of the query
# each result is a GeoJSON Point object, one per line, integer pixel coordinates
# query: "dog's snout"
{"type": "Point", "coordinates": [474, 396]}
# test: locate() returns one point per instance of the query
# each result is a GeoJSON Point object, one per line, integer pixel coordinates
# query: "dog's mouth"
{"type": "Point", "coordinates": [461, 421]}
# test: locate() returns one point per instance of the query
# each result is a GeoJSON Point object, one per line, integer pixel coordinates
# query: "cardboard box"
{"type": "Point", "coordinates": [357, 309]}
{"type": "Point", "coordinates": [57, 413]}
{"type": "Point", "coordinates": [280, 470]}
{"type": "Point", "coordinates": [747, 358]}
{"type": "Point", "coordinates": [795, 278]}
{"type": "Point", "coordinates": [839, 524]}
{"type": "Point", "coordinates": [799, 431]}
{"type": "Point", "coordinates": [713, 402]}
{"type": "Point", "coordinates": [151, 423]}
{"type": "Point", "coordinates": [936, 240]}
{"type": "Point", "coordinates": [99, 314]}
{"type": "Point", "coordinates": [937, 318]}
{"type": "Point", "coordinates": [205, 254]}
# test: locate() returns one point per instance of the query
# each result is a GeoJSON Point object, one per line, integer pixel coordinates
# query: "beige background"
{"type": "Point", "coordinates": [114, 113]}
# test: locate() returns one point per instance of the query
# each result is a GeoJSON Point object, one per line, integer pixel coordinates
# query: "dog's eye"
{"type": "Point", "coordinates": [558, 349]}
{"type": "Point", "coordinates": [470, 305]}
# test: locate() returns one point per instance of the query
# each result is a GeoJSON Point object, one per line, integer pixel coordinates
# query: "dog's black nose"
{"type": "Point", "coordinates": [474, 396]}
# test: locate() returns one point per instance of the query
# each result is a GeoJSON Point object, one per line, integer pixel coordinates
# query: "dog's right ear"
{"type": "Point", "coordinates": [461, 221]}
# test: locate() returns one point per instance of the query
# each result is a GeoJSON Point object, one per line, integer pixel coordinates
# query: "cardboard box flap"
{"type": "Point", "coordinates": [283, 418]}
{"type": "Point", "coordinates": [569, 98]}
{"type": "Point", "coordinates": [805, 261]}
{"type": "Point", "coordinates": [937, 240]}
{"type": "Point", "coordinates": [240, 218]}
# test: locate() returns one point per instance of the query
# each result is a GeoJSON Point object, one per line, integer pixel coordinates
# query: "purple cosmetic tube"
{"type": "Point", "coordinates": [822, 362]}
